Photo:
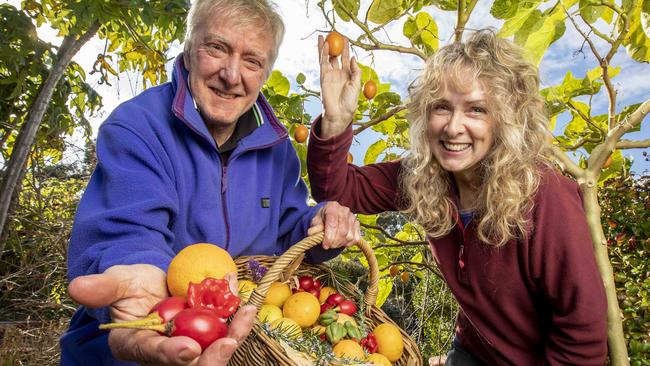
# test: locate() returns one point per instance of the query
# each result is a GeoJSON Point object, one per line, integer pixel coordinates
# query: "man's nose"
{"type": "Point", "coordinates": [230, 71]}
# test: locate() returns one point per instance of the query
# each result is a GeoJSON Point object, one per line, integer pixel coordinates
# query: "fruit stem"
{"type": "Point", "coordinates": [151, 322]}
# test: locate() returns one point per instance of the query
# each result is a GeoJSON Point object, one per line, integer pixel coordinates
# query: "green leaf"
{"type": "Point", "coordinates": [627, 111]}
{"type": "Point", "coordinates": [645, 17]}
{"type": "Point", "coordinates": [540, 31]}
{"type": "Point", "coordinates": [504, 9]}
{"type": "Point", "coordinates": [637, 42]}
{"type": "Point", "coordinates": [422, 31]}
{"type": "Point", "coordinates": [384, 289]}
{"type": "Point", "coordinates": [515, 22]}
{"type": "Point", "coordinates": [301, 78]}
{"type": "Point", "coordinates": [382, 11]}
{"type": "Point", "coordinates": [448, 5]}
{"type": "Point", "coordinates": [345, 7]}
{"type": "Point", "coordinates": [279, 83]}
{"type": "Point", "coordinates": [589, 12]}
{"type": "Point", "coordinates": [374, 151]}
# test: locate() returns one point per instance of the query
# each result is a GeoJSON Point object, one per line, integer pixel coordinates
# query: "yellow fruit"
{"type": "Point", "coordinates": [302, 307]}
{"type": "Point", "coordinates": [278, 293]}
{"type": "Point", "coordinates": [348, 348]}
{"type": "Point", "coordinates": [318, 329]}
{"type": "Point", "coordinates": [345, 318]}
{"type": "Point", "coordinates": [378, 359]}
{"type": "Point", "coordinates": [269, 313]}
{"type": "Point", "coordinates": [195, 263]}
{"type": "Point", "coordinates": [245, 288]}
{"type": "Point", "coordinates": [287, 325]}
{"type": "Point", "coordinates": [389, 341]}
{"type": "Point", "coordinates": [325, 292]}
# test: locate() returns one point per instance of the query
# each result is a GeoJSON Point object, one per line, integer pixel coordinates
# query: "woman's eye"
{"type": "Point", "coordinates": [479, 110]}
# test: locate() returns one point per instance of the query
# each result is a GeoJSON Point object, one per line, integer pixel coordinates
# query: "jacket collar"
{"type": "Point", "coordinates": [269, 133]}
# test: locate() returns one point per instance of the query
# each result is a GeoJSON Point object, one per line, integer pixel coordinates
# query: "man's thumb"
{"type": "Point", "coordinates": [94, 291]}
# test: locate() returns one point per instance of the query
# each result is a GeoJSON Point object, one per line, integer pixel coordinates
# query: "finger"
{"type": "Point", "coordinates": [345, 55]}
{"type": "Point", "coordinates": [324, 57]}
{"type": "Point", "coordinates": [343, 214]}
{"type": "Point", "coordinates": [351, 229]}
{"type": "Point", "coordinates": [321, 41]}
{"type": "Point", "coordinates": [242, 323]}
{"type": "Point", "coordinates": [95, 291]}
{"type": "Point", "coordinates": [357, 233]}
{"type": "Point", "coordinates": [231, 277]}
{"type": "Point", "coordinates": [355, 70]}
{"type": "Point", "coordinates": [315, 229]}
{"type": "Point", "coordinates": [149, 347]}
{"type": "Point", "coordinates": [219, 353]}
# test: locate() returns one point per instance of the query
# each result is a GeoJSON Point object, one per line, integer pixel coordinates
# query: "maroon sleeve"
{"type": "Point", "coordinates": [565, 266]}
{"type": "Point", "coordinates": [369, 189]}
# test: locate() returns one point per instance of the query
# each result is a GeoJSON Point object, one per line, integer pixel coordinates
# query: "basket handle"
{"type": "Point", "coordinates": [276, 270]}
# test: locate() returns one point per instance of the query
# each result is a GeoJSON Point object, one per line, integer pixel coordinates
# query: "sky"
{"type": "Point", "coordinates": [304, 21]}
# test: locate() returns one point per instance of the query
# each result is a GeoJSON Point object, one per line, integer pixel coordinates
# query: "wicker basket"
{"type": "Point", "coordinates": [260, 349]}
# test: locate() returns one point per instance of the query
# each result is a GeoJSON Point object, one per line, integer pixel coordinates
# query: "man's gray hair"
{"type": "Point", "coordinates": [261, 13]}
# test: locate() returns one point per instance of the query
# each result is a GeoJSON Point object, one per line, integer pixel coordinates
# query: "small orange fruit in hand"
{"type": "Point", "coordinates": [348, 348]}
{"type": "Point", "coordinates": [302, 307]}
{"type": "Point", "coordinates": [335, 42]}
{"type": "Point", "coordinates": [300, 133]}
{"type": "Point", "coordinates": [195, 263]}
{"type": "Point", "coordinates": [369, 89]}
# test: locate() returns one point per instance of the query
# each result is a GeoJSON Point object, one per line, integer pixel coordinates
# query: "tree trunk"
{"type": "Point", "coordinates": [615, 336]}
{"type": "Point", "coordinates": [27, 133]}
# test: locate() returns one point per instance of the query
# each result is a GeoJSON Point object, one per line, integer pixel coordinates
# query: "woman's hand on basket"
{"type": "Point", "coordinates": [130, 291]}
{"type": "Point", "coordinates": [340, 225]}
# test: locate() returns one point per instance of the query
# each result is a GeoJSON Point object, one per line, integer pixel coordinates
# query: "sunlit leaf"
{"type": "Point", "coordinates": [385, 287]}
{"type": "Point", "coordinates": [345, 8]}
{"type": "Point", "coordinates": [524, 10]}
{"type": "Point", "coordinates": [590, 12]}
{"type": "Point", "coordinates": [504, 9]}
{"type": "Point", "coordinates": [374, 151]}
{"type": "Point", "coordinates": [637, 42]}
{"type": "Point", "coordinates": [279, 83]}
{"type": "Point", "coordinates": [382, 11]}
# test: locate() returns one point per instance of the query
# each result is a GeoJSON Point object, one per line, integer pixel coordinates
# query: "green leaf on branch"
{"type": "Point", "coordinates": [448, 5]}
{"type": "Point", "coordinates": [385, 287]}
{"type": "Point", "coordinates": [301, 78]}
{"type": "Point", "coordinates": [539, 31]}
{"type": "Point", "coordinates": [645, 17]}
{"type": "Point", "coordinates": [345, 7]}
{"type": "Point", "coordinates": [383, 11]}
{"type": "Point", "coordinates": [626, 112]}
{"type": "Point", "coordinates": [637, 42]}
{"type": "Point", "coordinates": [373, 152]}
{"type": "Point", "coordinates": [504, 9]}
{"type": "Point", "coordinates": [515, 22]}
{"type": "Point", "coordinates": [589, 11]}
{"type": "Point", "coordinates": [279, 83]}
{"type": "Point", "coordinates": [422, 31]}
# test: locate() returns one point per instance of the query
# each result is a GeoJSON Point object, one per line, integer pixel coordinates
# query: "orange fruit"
{"type": "Point", "coordinates": [378, 359]}
{"type": "Point", "coordinates": [325, 292]}
{"type": "Point", "coordinates": [393, 270]}
{"type": "Point", "coordinates": [195, 263]}
{"type": "Point", "coordinates": [278, 293]}
{"type": "Point", "coordinates": [389, 341]}
{"type": "Point", "coordinates": [335, 42]}
{"type": "Point", "coordinates": [369, 89]}
{"type": "Point", "coordinates": [350, 158]}
{"type": "Point", "coordinates": [302, 307]}
{"type": "Point", "coordinates": [608, 163]}
{"type": "Point", "coordinates": [300, 133]}
{"type": "Point", "coordinates": [287, 325]}
{"type": "Point", "coordinates": [405, 276]}
{"type": "Point", "coordinates": [348, 348]}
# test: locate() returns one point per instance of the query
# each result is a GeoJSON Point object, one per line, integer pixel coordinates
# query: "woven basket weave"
{"type": "Point", "coordinates": [260, 349]}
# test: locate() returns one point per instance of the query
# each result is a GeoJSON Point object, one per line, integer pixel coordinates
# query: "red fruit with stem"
{"type": "Point", "coordinates": [317, 284]}
{"type": "Point", "coordinates": [201, 324]}
{"type": "Point", "coordinates": [306, 282]}
{"type": "Point", "coordinates": [168, 308]}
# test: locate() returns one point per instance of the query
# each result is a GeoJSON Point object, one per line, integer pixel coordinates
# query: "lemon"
{"type": "Point", "coordinates": [389, 341]}
{"type": "Point", "coordinates": [348, 348]}
{"type": "Point", "coordinates": [302, 307]}
{"type": "Point", "coordinates": [288, 326]}
{"type": "Point", "coordinates": [245, 288]}
{"type": "Point", "coordinates": [278, 293]}
{"type": "Point", "coordinates": [269, 313]}
{"type": "Point", "coordinates": [195, 263]}
{"type": "Point", "coordinates": [378, 359]}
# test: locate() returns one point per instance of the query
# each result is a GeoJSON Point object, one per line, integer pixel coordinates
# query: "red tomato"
{"type": "Point", "coordinates": [347, 307]}
{"type": "Point", "coordinates": [201, 324]}
{"type": "Point", "coordinates": [335, 299]}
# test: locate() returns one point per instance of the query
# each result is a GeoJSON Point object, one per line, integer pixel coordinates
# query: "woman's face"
{"type": "Point", "coordinates": [461, 130]}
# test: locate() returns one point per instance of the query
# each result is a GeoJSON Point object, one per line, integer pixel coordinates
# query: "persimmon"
{"type": "Point", "coordinates": [350, 158]}
{"type": "Point", "coordinates": [300, 133]}
{"type": "Point", "coordinates": [608, 163]}
{"type": "Point", "coordinates": [394, 270]}
{"type": "Point", "coordinates": [335, 42]}
{"type": "Point", "coordinates": [369, 89]}
{"type": "Point", "coordinates": [405, 276]}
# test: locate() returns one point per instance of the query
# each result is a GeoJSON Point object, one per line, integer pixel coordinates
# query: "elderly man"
{"type": "Point", "coordinates": [200, 159]}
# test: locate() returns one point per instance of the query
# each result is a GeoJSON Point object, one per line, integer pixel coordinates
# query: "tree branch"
{"type": "Point", "coordinates": [632, 144]}
{"type": "Point", "coordinates": [566, 164]}
{"type": "Point", "coordinates": [379, 119]}
{"type": "Point", "coordinates": [386, 234]}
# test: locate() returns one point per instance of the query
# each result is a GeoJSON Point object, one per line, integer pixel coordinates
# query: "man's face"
{"type": "Point", "coordinates": [227, 64]}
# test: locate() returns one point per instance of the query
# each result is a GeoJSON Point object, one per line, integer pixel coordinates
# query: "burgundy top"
{"type": "Point", "coordinates": [535, 301]}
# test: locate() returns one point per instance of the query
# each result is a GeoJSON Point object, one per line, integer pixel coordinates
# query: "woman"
{"type": "Point", "coordinates": [507, 231]}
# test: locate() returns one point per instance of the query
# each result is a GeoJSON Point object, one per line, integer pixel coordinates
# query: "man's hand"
{"type": "Point", "coordinates": [340, 84]}
{"type": "Point", "coordinates": [130, 292]}
{"type": "Point", "coordinates": [341, 226]}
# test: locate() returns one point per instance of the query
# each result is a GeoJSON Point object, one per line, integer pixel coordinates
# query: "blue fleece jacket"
{"type": "Point", "coordinates": [160, 184]}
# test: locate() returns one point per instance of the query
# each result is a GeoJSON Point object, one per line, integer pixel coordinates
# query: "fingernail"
{"type": "Point", "coordinates": [186, 355]}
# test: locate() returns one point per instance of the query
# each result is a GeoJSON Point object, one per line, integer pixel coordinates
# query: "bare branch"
{"type": "Point", "coordinates": [566, 164]}
{"type": "Point", "coordinates": [633, 144]}
{"type": "Point", "coordinates": [379, 119]}
{"type": "Point", "coordinates": [402, 242]}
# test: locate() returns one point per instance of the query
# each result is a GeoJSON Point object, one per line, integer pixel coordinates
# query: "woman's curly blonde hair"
{"type": "Point", "coordinates": [510, 172]}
